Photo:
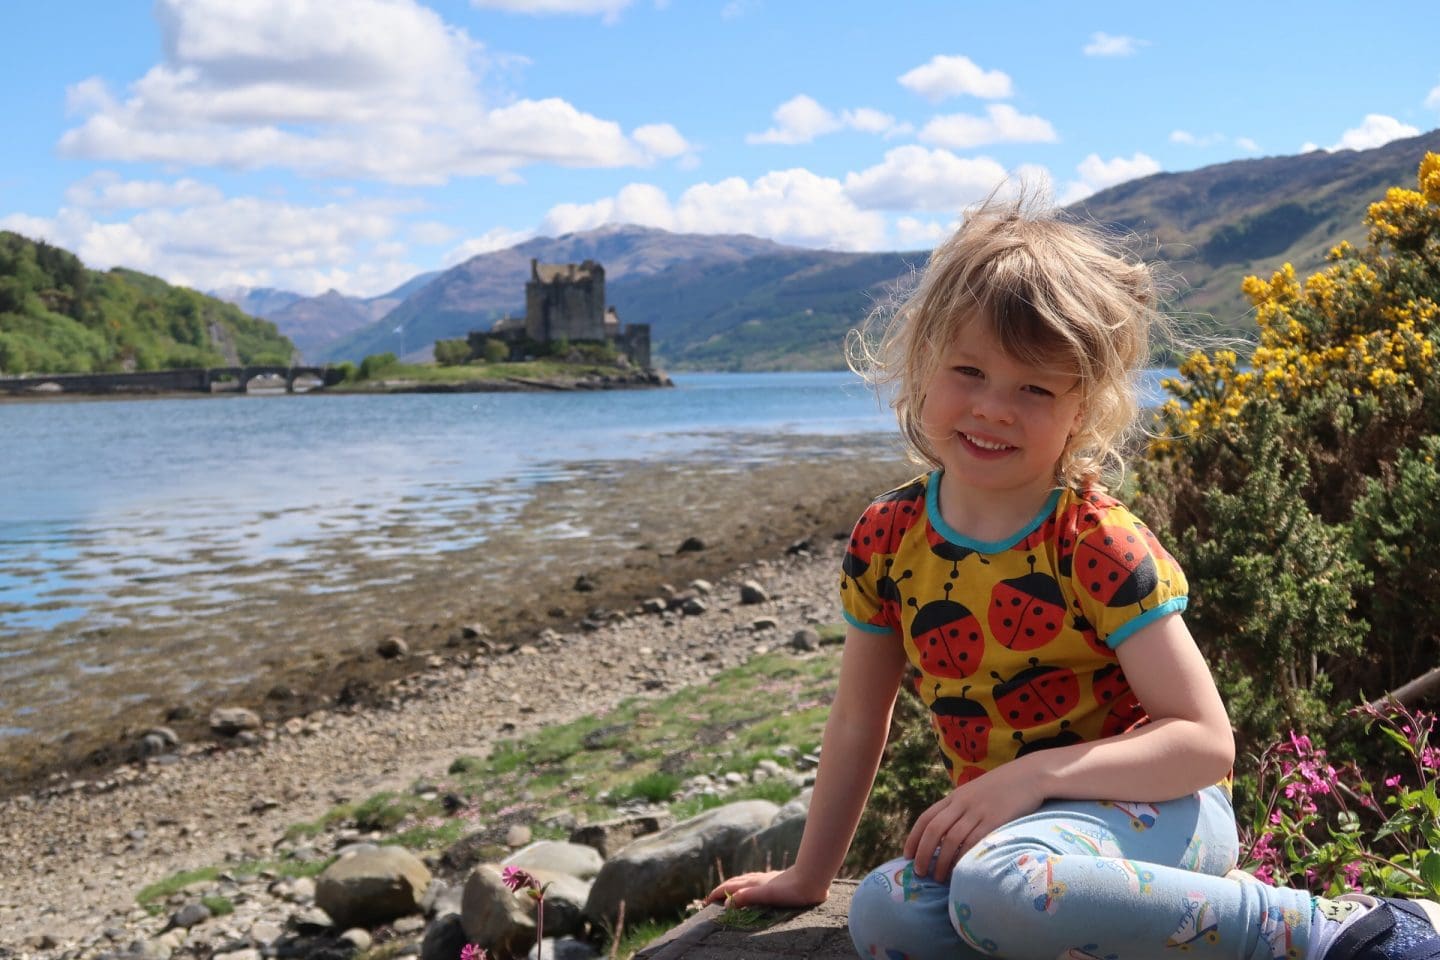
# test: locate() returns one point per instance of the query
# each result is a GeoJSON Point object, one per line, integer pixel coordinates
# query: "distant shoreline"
{"type": "Point", "coordinates": [640, 380]}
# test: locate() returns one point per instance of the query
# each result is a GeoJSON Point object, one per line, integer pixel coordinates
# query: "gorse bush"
{"type": "Point", "coordinates": [1297, 491]}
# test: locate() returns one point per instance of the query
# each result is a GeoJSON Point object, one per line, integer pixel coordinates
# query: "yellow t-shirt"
{"type": "Point", "coordinates": [1011, 643]}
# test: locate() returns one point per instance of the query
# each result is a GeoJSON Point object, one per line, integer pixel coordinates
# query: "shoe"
{"type": "Point", "coordinates": [1392, 929]}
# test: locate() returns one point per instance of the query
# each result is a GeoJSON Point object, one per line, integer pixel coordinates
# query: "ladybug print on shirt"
{"type": "Point", "coordinates": [1013, 641]}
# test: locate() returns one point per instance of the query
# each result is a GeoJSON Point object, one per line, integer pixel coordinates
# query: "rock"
{"type": "Point", "coordinates": [609, 836]}
{"type": "Point", "coordinates": [751, 592]}
{"type": "Point", "coordinates": [761, 624]}
{"type": "Point", "coordinates": [151, 746]}
{"type": "Point", "coordinates": [565, 898]}
{"type": "Point", "coordinates": [517, 836]}
{"type": "Point", "coordinates": [660, 874]}
{"type": "Point", "coordinates": [653, 605]}
{"type": "Point", "coordinates": [310, 921]}
{"type": "Point", "coordinates": [583, 584]}
{"type": "Point", "coordinates": [804, 546]}
{"type": "Point", "coordinates": [691, 545]}
{"type": "Point", "coordinates": [392, 648]}
{"type": "Point", "coordinates": [444, 938]}
{"type": "Point", "coordinates": [565, 948]}
{"type": "Point", "coordinates": [372, 887]}
{"type": "Point", "coordinates": [474, 631]}
{"type": "Point", "coordinates": [357, 938]}
{"type": "Point", "coordinates": [228, 721]}
{"type": "Point", "coordinates": [190, 915]}
{"type": "Point", "coordinates": [774, 847]}
{"type": "Point", "coordinates": [702, 587]}
{"type": "Point", "coordinates": [244, 953]}
{"type": "Point", "coordinates": [266, 932]}
{"type": "Point", "coordinates": [575, 859]}
{"type": "Point", "coordinates": [492, 916]}
{"type": "Point", "coordinates": [805, 640]}
{"type": "Point", "coordinates": [694, 607]}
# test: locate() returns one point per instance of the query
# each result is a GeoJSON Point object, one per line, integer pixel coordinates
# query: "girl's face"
{"type": "Point", "coordinates": [997, 425]}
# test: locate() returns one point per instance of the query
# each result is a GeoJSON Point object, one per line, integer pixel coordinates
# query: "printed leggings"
{"type": "Point", "coordinates": [1084, 880]}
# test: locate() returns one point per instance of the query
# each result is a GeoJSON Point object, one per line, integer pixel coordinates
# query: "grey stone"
{"type": "Point", "coordinates": [357, 938]}
{"type": "Point", "coordinates": [444, 938]}
{"type": "Point", "coordinates": [702, 587]}
{"type": "Point", "coordinates": [694, 607]}
{"type": "Point", "coordinates": [311, 920]}
{"type": "Point", "coordinates": [392, 648]}
{"type": "Point", "coordinates": [189, 915]}
{"type": "Point", "coordinates": [691, 545]}
{"type": "Point", "coordinates": [610, 836]}
{"type": "Point", "coordinates": [492, 916]}
{"type": "Point", "coordinates": [229, 721]}
{"type": "Point", "coordinates": [517, 835]}
{"type": "Point", "coordinates": [751, 592]}
{"type": "Point", "coordinates": [575, 859]}
{"type": "Point", "coordinates": [805, 640]}
{"type": "Point", "coordinates": [266, 932]}
{"type": "Point", "coordinates": [760, 624]}
{"type": "Point", "coordinates": [564, 948]}
{"type": "Point", "coordinates": [372, 887]}
{"type": "Point", "coordinates": [774, 847]}
{"type": "Point", "coordinates": [660, 874]}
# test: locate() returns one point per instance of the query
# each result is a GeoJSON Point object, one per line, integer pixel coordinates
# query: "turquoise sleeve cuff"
{"type": "Point", "coordinates": [1130, 627]}
{"type": "Point", "coordinates": [867, 627]}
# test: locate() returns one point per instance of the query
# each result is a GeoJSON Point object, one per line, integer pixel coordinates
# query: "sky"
{"type": "Point", "coordinates": [352, 144]}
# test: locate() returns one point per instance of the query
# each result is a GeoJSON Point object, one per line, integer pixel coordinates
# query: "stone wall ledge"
{"type": "Point", "coordinates": [815, 934]}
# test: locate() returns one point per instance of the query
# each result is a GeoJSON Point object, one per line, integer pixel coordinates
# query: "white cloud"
{"type": "Point", "coordinates": [947, 76]}
{"type": "Point", "coordinates": [36, 228]}
{"type": "Point", "coordinates": [496, 238]}
{"type": "Point", "coordinates": [1308, 147]}
{"type": "Point", "coordinates": [661, 140]}
{"type": "Point", "coordinates": [388, 92]}
{"type": "Point", "coordinates": [1104, 45]}
{"type": "Point", "coordinates": [870, 120]}
{"type": "Point", "coordinates": [802, 118]}
{"type": "Point", "coordinates": [798, 120]}
{"type": "Point", "coordinates": [1376, 131]}
{"type": "Point", "coordinates": [1246, 144]}
{"type": "Point", "coordinates": [609, 9]}
{"type": "Point", "coordinates": [913, 234]}
{"type": "Point", "coordinates": [1002, 124]}
{"type": "Point", "coordinates": [1432, 99]}
{"type": "Point", "coordinates": [790, 206]}
{"type": "Point", "coordinates": [244, 241]}
{"type": "Point", "coordinates": [1097, 174]}
{"type": "Point", "coordinates": [914, 178]}
{"type": "Point", "coordinates": [105, 190]}
{"type": "Point", "coordinates": [1194, 140]}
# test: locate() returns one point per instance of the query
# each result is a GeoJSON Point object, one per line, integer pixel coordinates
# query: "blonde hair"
{"type": "Point", "coordinates": [1054, 293]}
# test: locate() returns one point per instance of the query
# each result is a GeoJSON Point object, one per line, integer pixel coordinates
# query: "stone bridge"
{"type": "Point", "coordinates": [195, 380]}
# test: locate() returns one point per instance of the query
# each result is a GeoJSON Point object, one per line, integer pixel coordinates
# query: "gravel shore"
{"type": "Point", "coordinates": [78, 849]}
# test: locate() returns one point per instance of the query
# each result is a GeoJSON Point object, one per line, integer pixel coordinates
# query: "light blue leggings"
{"type": "Point", "coordinates": [1083, 880]}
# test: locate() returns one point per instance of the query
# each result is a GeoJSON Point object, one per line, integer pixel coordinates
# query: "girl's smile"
{"type": "Point", "coordinates": [998, 427]}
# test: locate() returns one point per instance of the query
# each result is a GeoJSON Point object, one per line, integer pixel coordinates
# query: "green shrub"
{"type": "Point", "coordinates": [654, 787]}
{"type": "Point", "coordinates": [496, 351]}
{"type": "Point", "coordinates": [452, 353]}
{"type": "Point", "coordinates": [377, 364]}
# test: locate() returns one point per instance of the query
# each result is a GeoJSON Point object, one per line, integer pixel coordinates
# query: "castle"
{"type": "Point", "coordinates": [566, 301]}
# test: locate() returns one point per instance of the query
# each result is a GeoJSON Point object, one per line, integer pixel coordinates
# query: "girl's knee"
{"type": "Point", "coordinates": [892, 908]}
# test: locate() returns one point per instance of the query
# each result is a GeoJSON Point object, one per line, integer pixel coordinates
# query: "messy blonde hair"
{"type": "Point", "coordinates": [1054, 293]}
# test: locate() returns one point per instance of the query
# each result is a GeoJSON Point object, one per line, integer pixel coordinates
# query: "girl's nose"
{"type": "Point", "coordinates": [988, 405]}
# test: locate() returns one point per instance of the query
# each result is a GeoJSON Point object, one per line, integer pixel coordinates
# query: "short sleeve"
{"type": "Point", "coordinates": [867, 595]}
{"type": "Point", "coordinates": [1121, 576]}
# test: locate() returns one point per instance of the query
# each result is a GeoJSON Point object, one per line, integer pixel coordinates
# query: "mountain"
{"type": "Point", "coordinates": [257, 301]}
{"type": "Point", "coordinates": [484, 288]}
{"type": "Point", "coordinates": [56, 316]}
{"type": "Point", "coordinates": [1215, 225]}
{"type": "Point", "coordinates": [744, 303]}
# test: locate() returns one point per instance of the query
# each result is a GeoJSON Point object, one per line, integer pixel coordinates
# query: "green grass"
{"type": "Point", "coordinates": [153, 895]}
{"type": "Point", "coordinates": [218, 906]}
{"type": "Point", "coordinates": [528, 370]}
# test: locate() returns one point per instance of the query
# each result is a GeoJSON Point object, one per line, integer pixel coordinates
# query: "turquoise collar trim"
{"type": "Point", "coordinates": [932, 507]}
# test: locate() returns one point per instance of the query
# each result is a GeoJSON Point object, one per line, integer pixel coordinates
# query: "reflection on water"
{"type": "Point", "coordinates": [174, 517]}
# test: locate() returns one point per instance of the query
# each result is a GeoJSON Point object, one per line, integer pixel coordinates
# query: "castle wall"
{"type": "Point", "coordinates": [565, 303]}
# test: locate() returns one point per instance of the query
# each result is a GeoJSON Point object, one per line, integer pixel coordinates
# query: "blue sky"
{"type": "Point", "coordinates": [350, 144]}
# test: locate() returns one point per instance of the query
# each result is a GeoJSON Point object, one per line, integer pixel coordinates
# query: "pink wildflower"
{"type": "Point", "coordinates": [518, 879]}
{"type": "Point", "coordinates": [1393, 781]}
{"type": "Point", "coordinates": [473, 951]}
{"type": "Point", "coordinates": [1352, 875]}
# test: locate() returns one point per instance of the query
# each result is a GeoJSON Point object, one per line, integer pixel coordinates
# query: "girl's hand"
{"type": "Point", "coordinates": [959, 821]}
{"type": "Point", "coordinates": [776, 888]}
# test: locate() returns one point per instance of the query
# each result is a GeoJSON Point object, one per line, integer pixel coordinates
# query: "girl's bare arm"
{"type": "Point", "coordinates": [1187, 745]}
{"type": "Point", "coordinates": [855, 733]}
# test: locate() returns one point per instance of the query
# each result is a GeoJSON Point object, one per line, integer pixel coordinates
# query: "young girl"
{"type": "Point", "coordinates": [1040, 622]}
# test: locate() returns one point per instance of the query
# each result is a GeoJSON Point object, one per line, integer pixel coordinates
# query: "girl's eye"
{"type": "Point", "coordinates": [1038, 390]}
{"type": "Point", "coordinates": [967, 371]}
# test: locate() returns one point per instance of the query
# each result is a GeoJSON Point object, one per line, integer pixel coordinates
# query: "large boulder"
{"type": "Point", "coordinates": [493, 916]}
{"type": "Point", "coordinates": [575, 859]}
{"type": "Point", "coordinates": [660, 874]}
{"type": "Point", "coordinates": [774, 847]}
{"type": "Point", "coordinates": [372, 887]}
{"type": "Point", "coordinates": [609, 836]}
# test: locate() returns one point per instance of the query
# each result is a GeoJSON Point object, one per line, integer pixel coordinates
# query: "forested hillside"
{"type": "Point", "coordinates": [56, 316]}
